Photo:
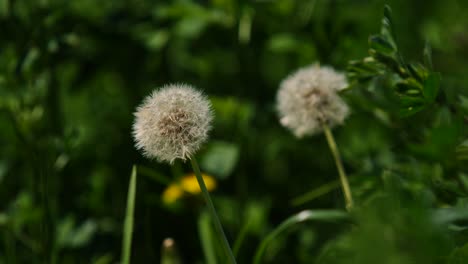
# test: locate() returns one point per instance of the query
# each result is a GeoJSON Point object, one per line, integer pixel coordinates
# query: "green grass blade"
{"type": "Point", "coordinates": [206, 238]}
{"type": "Point", "coordinates": [240, 238]}
{"type": "Point", "coordinates": [128, 222]}
{"type": "Point", "coordinates": [214, 215]}
{"type": "Point", "coordinates": [306, 215]}
{"type": "Point", "coordinates": [315, 193]}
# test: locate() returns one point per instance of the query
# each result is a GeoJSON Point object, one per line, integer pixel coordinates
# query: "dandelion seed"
{"type": "Point", "coordinates": [308, 98]}
{"type": "Point", "coordinates": [172, 123]}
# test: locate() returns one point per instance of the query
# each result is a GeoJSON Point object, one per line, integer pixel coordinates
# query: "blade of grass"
{"type": "Point", "coordinates": [306, 215]}
{"type": "Point", "coordinates": [153, 175]}
{"type": "Point", "coordinates": [213, 213]}
{"type": "Point", "coordinates": [128, 222]}
{"type": "Point", "coordinates": [315, 193]}
{"type": "Point", "coordinates": [206, 237]}
{"type": "Point", "coordinates": [240, 238]}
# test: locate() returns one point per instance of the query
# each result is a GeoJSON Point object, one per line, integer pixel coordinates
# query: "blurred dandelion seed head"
{"type": "Point", "coordinates": [309, 97]}
{"type": "Point", "coordinates": [172, 123]}
{"type": "Point", "coordinates": [168, 243]}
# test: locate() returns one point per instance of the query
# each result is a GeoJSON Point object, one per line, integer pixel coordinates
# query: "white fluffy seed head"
{"type": "Point", "coordinates": [172, 123]}
{"type": "Point", "coordinates": [309, 97]}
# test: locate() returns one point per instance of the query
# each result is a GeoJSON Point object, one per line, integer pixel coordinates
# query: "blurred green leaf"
{"type": "Point", "coordinates": [220, 159]}
{"type": "Point", "coordinates": [283, 43]}
{"type": "Point", "coordinates": [381, 45]}
{"type": "Point", "coordinates": [427, 53]}
{"type": "Point", "coordinates": [431, 87]}
{"type": "Point", "coordinates": [71, 236]}
{"type": "Point", "coordinates": [106, 259]}
{"type": "Point", "coordinates": [462, 150]}
{"type": "Point", "coordinates": [205, 232]}
{"type": "Point", "coordinates": [459, 255]}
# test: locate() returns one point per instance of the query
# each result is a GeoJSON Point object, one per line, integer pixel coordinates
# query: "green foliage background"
{"type": "Point", "coordinates": [72, 73]}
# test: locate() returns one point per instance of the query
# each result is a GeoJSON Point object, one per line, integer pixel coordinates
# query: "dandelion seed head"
{"type": "Point", "coordinates": [172, 123]}
{"type": "Point", "coordinates": [308, 97]}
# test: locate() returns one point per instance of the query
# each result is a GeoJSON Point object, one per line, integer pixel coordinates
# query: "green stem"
{"type": "Point", "coordinates": [315, 193]}
{"type": "Point", "coordinates": [212, 210]}
{"type": "Point", "coordinates": [339, 165]}
{"type": "Point", "coordinates": [293, 221]}
{"type": "Point", "coordinates": [241, 237]}
{"type": "Point", "coordinates": [129, 219]}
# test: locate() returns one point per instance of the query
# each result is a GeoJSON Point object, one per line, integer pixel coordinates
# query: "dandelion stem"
{"type": "Point", "coordinates": [212, 210]}
{"type": "Point", "coordinates": [339, 165]}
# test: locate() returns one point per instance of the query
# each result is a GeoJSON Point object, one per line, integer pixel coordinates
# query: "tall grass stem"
{"type": "Point", "coordinates": [293, 221]}
{"type": "Point", "coordinates": [129, 217]}
{"type": "Point", "coordinates": [212, 210]}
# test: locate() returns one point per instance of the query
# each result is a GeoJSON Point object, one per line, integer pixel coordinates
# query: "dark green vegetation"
{"type": "Point", "coordinates": [72, 72]}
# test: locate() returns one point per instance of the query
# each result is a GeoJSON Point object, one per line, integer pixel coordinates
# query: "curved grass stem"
{"type": "Point", "coordinates": [292, 221]}
{"type": "Point", "coordinates": [339, 165]}
{"type": "Point", "coordinates": [212, 211]}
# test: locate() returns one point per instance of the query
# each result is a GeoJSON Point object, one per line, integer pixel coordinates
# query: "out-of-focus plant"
{"type": "Point", "coordinates": [415, 85]}
{"type": "Point", "coordinates": [308, 103]}
{"type": "Point", "coordinates": [72, 72]}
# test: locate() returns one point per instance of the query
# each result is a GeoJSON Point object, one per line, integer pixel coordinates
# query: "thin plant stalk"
{"type": "Point", "coordinates": [293, 221]}
{"type": "Point", "coordinates": [315, 193]}
{"type": "Point", "coordinates": [241, 237]}
{"type": "Point", "coordinates": [128, 222]}
{"type": "Point", "coordinates": [212, 210]}
{"type": "Point", "coordinates": [339, 165]}
{"type": "Point", "coordinates": [205, 232]}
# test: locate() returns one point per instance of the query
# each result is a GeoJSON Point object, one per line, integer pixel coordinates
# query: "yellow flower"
{"type": "Point", "coordinates": [187, 185]}
{"type": "Point", "coordinates": [172, 193]}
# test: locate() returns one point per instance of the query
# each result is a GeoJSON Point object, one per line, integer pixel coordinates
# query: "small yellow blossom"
{"type": "Point", "coordinates": [187, 185]}
{"type": "Point", "coordinates": [172, 193]}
